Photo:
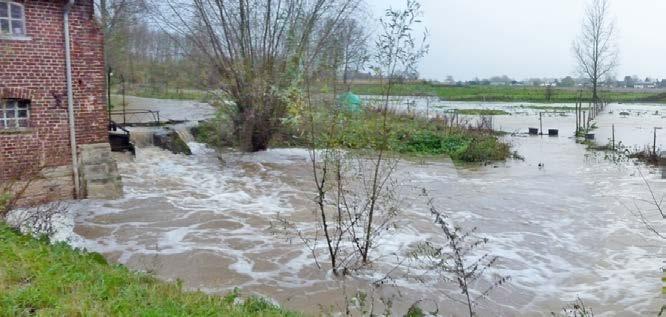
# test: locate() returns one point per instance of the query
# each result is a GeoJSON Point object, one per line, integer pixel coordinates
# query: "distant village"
{"type": "Point", "coordinates": [629, 82]}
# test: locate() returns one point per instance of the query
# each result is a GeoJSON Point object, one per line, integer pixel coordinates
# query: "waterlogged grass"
{"type": "Point", "coordinates": [482, 112]}
{"type": "Point", "coordinates": [506, 93]}
{"type": "Point", "coordinates": [448, 93]}
{"type": "Point", "coordinates": [37, 278]}
{"type": "Point", "coordinates": [547, 108]}
{"type": "Point", "coordinates": [406, 135]}
{"type": "Point", "coordinates": [463, 146]}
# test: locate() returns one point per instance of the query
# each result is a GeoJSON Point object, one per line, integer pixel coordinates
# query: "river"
{"type": "Point", "coordinates": [560, 220]}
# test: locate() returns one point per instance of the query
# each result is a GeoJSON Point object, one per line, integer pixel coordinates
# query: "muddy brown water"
{"type": "Point", "coordinates": [563, 230]}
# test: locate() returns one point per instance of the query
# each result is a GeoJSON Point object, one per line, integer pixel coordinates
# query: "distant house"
{"type": "Point", "coordinates": [645, 85]}
{"type": "Point", "coordinates": [53, 121]}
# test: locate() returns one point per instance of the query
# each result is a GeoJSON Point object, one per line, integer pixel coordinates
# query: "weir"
{"type": "Point", "coordinates": [173, 138]}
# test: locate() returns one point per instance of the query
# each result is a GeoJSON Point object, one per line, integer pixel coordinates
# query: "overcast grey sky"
{"type": "Point", "coordinates": [531, 38]}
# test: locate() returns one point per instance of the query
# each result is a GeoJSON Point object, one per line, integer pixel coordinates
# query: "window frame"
{"type": "Point", "coordinates": [19, 105]}
{"type": "Point", "coordinates": [10, 20]}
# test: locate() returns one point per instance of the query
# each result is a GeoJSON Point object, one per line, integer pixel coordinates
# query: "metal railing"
{"type": "Point", "coordinates": [136, 117]}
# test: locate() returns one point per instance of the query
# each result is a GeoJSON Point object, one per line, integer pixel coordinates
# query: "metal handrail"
{"type": "Point", "coordinates": [155, 115]}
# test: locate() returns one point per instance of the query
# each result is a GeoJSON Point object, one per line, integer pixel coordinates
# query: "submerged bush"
{"type": "Point", "coordinates": [460, 144]}
{"type": "Point", "coordinates": [363, 130]}
{"type": "Point", "coordinates": [484, 149]}
{"type": "Point", "coordinates": [217, 132]}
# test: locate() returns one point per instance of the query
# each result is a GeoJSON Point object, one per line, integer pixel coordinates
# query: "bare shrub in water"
{"type": "Point", "coordinates": [356, 193]}
{"type": "Point", "coordinates": [36, 217]}
{"type": "Point", "coordinates": [576, 309]}
{"type": "Point", "coordinates": [650, 211]}
{"type": "Point", "coordinates": [12, 191]}
{"type": "Point", "coordinates": [38, 220]}
{"type": "Point", "coordinates": [455, 262]}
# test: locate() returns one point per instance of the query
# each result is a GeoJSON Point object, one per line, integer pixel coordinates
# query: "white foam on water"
{"type": "Point", "coordinates": [559, 233]}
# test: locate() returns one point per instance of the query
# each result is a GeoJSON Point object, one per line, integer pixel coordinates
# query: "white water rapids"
{"type": "Point", "coordinates": [562, 231]}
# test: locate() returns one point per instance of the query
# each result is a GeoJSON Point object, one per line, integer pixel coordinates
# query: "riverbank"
{"type": "Point", "coordinates": [470, 142]}
{"type": "Point", "coordinates": [508, 93]}
{"type": "Point", "coordinates": [39, 278]}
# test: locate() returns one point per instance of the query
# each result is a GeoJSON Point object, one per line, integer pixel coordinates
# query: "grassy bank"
{"type": "Point", "coordinates": [37, 278]}
{"type": "Point", "coordinates": [407, 135]}
{"type": "Point", "coordinates": [506, 93]}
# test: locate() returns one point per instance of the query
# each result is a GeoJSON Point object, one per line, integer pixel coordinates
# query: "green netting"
{"type": "Point", "coordinates": [350, 101]}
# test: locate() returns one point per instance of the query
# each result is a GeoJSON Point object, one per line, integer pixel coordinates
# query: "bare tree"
{"type": "Point", "coordinates": [397, 52]}
{"type": "Point", "coordinates": [355, 193]}
{"type": "Point", "coordinates": [30, 215]}
{"type": "Point", "coordinates": [117, 17]}
{"type": "Point", "coordinates": [595, 50]}
{"type": "Point", "coordinates": [112, 13]}
{"type": "Point", "coordinates": [258, 48]}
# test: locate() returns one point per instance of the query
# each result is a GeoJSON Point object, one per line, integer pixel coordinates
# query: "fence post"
{"type": "Point", "coordinates": [654, 144]}
{"type": "Point", "coordinates": [613, 137]}
{"type": "Point", "coordinates": [122, 79]}
{"type": "Point", "coordinates": [585, 122]}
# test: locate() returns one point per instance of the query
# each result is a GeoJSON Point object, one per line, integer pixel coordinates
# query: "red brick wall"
{"type": "Point", "coordinates": [35, 69]}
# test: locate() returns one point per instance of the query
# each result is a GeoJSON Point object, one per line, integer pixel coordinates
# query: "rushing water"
{"type": "Point", "coordinates": [560, 221]}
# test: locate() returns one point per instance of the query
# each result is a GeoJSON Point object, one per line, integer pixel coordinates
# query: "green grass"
{"type": "Point", "coordinates": [412, 136]}
{"type": "Point", "coordinates": [40, 279]}
{"type": "Point", "coordinates": [448, 93]}
{"type": "Point", "coordinates": [547, 108]}
{"type": "Point", "coordinates": [505, 93]}
{"type": "Point", "coordinates": [482, 112]}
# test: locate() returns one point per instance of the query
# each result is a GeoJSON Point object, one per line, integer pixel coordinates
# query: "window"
{"type": "Point", "coordinates": [14, 114]}
{"type": "Point", "coordinates": [12, 19]}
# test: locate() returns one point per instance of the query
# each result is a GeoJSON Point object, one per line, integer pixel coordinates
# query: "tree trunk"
{"type": "Point", "coordinates": [254, 131]}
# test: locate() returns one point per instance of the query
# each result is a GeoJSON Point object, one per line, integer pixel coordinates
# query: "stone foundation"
{"type": "Point", "coordinates": [49, 184]}
{"type": "Point", "coordinates": [98, 172]}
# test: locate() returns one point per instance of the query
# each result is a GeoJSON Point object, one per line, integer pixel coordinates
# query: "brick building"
{"type": "Point", "coordinates": [51, 104]}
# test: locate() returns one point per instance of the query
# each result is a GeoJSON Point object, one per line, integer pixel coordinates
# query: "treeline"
{"type": "Point", "coordinates": [144, 55]}
{"type": "Point", "coordinates": [161, 47]}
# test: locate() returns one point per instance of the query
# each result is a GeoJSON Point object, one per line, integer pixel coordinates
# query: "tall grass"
{"type": "Point", "coordinates": [37, 278]}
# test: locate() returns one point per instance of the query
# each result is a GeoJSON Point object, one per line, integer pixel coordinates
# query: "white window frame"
{"type": "Point", "coordinates": [10, 20]}
{"type": "Point", "coordinates": [18, 105]}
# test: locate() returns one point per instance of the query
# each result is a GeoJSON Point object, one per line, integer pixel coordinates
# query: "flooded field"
{"type": "Point", "coordinates": [634, 123]}
{"type": "Point", "coordinates": [559, 220]}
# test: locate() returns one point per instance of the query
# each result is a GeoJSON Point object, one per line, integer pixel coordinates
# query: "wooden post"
{"type": "Point", "coordinates": [122, 78]}
{"type": "Point", "coordinates": [613, 137]}
{"type": "Point", "coordinates": [541, 123]}
{"type": "Point", "coordinates": [584, 121]}
{"type": "Point", "coordinates": [576, 117]}
{"type": "Point", "coordinates": [654, 144]}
